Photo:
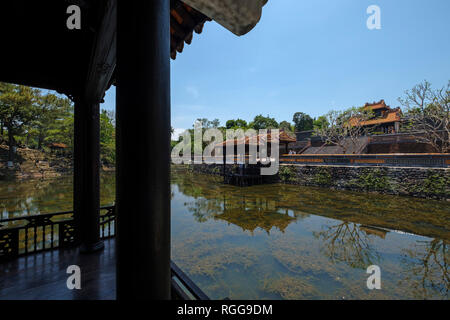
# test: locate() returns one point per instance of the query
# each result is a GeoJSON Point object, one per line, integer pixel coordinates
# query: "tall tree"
{"type": "Point", "coordinates": [50, 109]}
{"type": "Point", "coordinates": [345, 127]}
{"type": "Point", "coordinates": [261, 122]}
{"type": "Point", "coordinates": [286, 126]}
{"type": "Point", "coordinates": [207, 124]}
{"type": "Point", "coordinates": [63, 130]}
{"type": "Point", "coordinates": [238, 123]}
{"type": "Point", "coordinates": [17, 110]}
{"type": "Point", "coordinates": [302, 121]}
{"type": "Point", "coordinates": [107, 138]}
{"type": "Point", "coordinates": [321, 122]}
{"type": "Point", "coordinates": [428, 114]}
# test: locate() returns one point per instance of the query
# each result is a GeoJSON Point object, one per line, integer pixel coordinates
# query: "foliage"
{"type": "Point", "coordinates": [107, 138]}
{"type": "Point", "coordinates": [261, 122]}
{"type": "Point", "coordinates": [372, 180]}
{"type": "Point", "coordinates": [434, 184]}
{"type": "Point", "coordinates": [346, 125]}
{"type": "Point", "coordinates": [302, 121]}
{"type": "Point", "coordinates": [38, 118]}
{"type": "Point", "coordinates": [18, 108]}
{"type": "Point", "coordinates": [286, 126]}
{"type": "Point", "coordinates": [51, 109]}
{"type": "Point", "coordinates": [207, 124]}
{"type": "Point", "coordinates": [62, 130]}
{"type": "Point", "coordinates": [235, 124]}
{"type": "Point", "coordinates": [323, 177]}
{"type": "Point", "coordinates": [287, 174]}
{"type": "Point", "coordinates": [428, 115]}
{"type": "Point", "coordinates": [320, 123]}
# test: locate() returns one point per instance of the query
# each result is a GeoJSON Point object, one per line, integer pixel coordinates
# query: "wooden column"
{"type": "Point", "coordinates": [78, 162]}
{"type": "Point", "coordinates": [143, 149]}
{"type": "Point", "coordinates": [87, 175]}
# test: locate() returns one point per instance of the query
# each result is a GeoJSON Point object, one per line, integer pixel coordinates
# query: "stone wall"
{"type": "Point", "coordinates": [418, 182]}
{"type": "Point", "coordinates": [214, 169]}
{"type": "Point", "coordinates": [433, 183]}
{"type": "Point", "coordinates": [29, 163]}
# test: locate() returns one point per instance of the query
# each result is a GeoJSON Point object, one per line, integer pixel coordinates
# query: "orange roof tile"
{"type": "Point", "coordinates": [283, 138]}
{"type": "Point", "coordinates": [389, 117]}
{"type": "Point", "coordinates": [377, 105]}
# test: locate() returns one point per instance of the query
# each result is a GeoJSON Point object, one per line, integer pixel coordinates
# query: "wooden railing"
{"type": "Point", "coordinates": [183, 288]}
{"type": "Point", "coordinates": [36, 233]}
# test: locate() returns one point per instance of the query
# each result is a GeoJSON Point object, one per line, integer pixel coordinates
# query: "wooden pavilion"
{"type": "Point", "coordinates": [127, 44]}
{"type": "Point", "coordinates": [246, 143]}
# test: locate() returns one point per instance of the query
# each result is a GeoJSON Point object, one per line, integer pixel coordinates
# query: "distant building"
{"type": "Point", "coordinates": [282, 138]}
{"type": "Point", "coordinates": [57, 147]}
{"type": "Point", "coordinates": [384, 136]}
{"type": "Point", "coordinates": [385, 120]}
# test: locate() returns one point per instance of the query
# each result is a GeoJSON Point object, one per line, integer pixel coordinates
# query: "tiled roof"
{"type": "Point", "coordinates": [377, 105]}
{"type": "Point", "coordinates": [394, 115]}
{"type": "Point", "coordinates": [57, 145]}
{"type": "Point", "coordinates": [388, 115]}
{"type": "Point", "coordinates": [260, 138]}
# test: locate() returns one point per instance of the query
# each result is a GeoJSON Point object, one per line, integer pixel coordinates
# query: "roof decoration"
{"type": "Point", "coordinates": [238, 16]}
{"type": "Point", "coordinates": [388, 115]}
{"type": "Point", "coordinates": [184, 20]}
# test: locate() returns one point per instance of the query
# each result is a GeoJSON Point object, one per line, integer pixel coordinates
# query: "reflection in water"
{"type": "Point", "coordinates": [290, 242]}
{"type": "Point", "coordinates": [426, 268]}
{"type": "Point", "coordinates": [348, 243]}
{"type": "Point", "coordinates": [37, 196]}
{"type": "Point", "coordinates": [283, 241]}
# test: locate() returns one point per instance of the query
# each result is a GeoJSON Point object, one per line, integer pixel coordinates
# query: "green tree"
{"type": "Point", "coordinates": [230, 124]}
{"type": "Point", "coordinates": [234, 124]}
{"type": "Point", "coordinates": [321, 123]}
{"type": "Point", "coordinates": [62, 130]}
{"type": "Point", "coordinates": [107, 138]}
{"type": "Point", "coordinates": [206, 124]}
{"type": "Point", "coordinates": [261, 122]}
{"type": "Point", "coordinates": [17, 110]}
{"type": "Point", "coordinates": [286, 126]}
{"type": "Point", "coordinates": [302, 121]}
{"type": "Point", "coordinates": [50, 109]}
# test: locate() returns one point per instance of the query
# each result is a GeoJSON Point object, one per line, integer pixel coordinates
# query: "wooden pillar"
{"type": "Point", "coordinates": [143, 149]}
{"type": "Point", "coordinates": [87, 175]}
{"type": "Point", "coordinates": [78, 162]}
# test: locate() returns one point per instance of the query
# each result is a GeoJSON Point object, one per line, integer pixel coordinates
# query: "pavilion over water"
{"type": "Point", "coordinates": [247, 142]}
{"type": "Point", "coordinates": [127, 44]}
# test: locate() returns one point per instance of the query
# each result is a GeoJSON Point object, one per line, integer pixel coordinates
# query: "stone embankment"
{"type": "Point", "coordinates": [422, 182]}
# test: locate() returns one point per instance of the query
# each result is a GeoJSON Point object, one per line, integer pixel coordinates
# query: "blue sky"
{"type": "Point", "coordinates": [310, 56]}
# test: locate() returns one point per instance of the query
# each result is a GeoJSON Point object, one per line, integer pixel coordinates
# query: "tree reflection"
{"type": "Point", "coordinates": [426, 269]}
{"type": "Point", "coordinates": [346, 242]}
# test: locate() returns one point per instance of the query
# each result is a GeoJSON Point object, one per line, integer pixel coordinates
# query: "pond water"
{"type": "Point", "coordinates": [282, 241]}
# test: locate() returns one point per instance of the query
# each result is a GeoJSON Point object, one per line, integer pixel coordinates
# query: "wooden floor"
{"type": "Point", "coordinates": [43, 276]}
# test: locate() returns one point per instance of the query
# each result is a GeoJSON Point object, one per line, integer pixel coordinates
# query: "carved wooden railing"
{"type": "Point", "coordinates": [35, 233]}
{"type": "Point", "coordinates": [30, 234]}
